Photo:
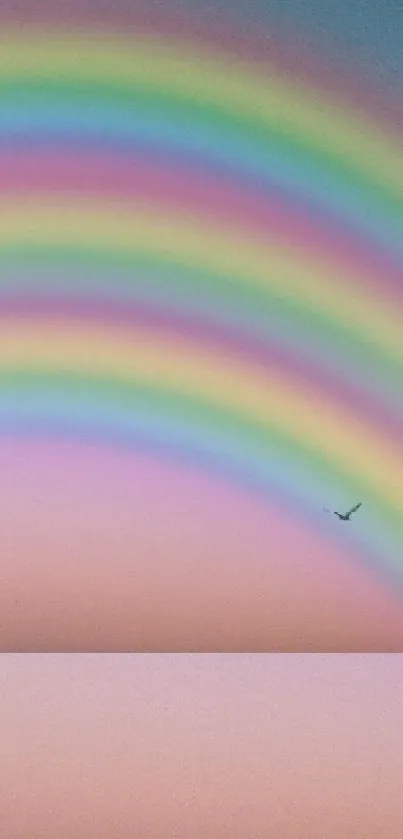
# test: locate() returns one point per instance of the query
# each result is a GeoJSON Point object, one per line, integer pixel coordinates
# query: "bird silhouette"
{"type": "Point", "coordinates": [345, 516]}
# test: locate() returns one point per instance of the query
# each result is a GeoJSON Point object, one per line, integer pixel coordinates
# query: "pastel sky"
{"type": "Point", "coordinates": [107, 551]}
{"type": "Point", "coordinates": [200, 326]}
{"type": "Point", "coordinates": [192, 746]}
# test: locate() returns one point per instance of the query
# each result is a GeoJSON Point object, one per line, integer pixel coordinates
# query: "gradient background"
{"type": "Point", "coordinates": [176, 586]}
{"type": "Point", "coordinates": [178, 746]}
{"type": "Point", "coordinates": [104, 547]}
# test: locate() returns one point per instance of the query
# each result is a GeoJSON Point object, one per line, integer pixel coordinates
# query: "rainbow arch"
{"type": "Point", "coordinates": [206, 259]}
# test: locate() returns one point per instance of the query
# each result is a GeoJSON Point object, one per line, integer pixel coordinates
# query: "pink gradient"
{"type": "Point", "coordinates": [147, 180]}
{"type": "Point", "coordinates": [107, 550]}
{"type": "Point", "coordinates": [224, 746]}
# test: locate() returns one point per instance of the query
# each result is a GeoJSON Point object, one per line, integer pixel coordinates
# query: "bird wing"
{"type": "Point", "coordinates": [354, 509]}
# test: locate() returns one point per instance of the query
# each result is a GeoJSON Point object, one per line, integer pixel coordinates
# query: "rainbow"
{"type": "Point", "coordinates": [202, 255]}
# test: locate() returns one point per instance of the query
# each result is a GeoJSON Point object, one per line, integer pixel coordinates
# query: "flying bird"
{"type": "Point", "coordinates": [345, 516]}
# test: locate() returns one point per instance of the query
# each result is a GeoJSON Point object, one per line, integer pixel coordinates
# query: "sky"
{"type": "Point", "coordinates": [366, 32]}
{"type": "Point", "coordinates": [223, 746]}
{"type": "Point", "coordinates": [105, 550]}
{"type": "Point", "coordinates": [370, 31]}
